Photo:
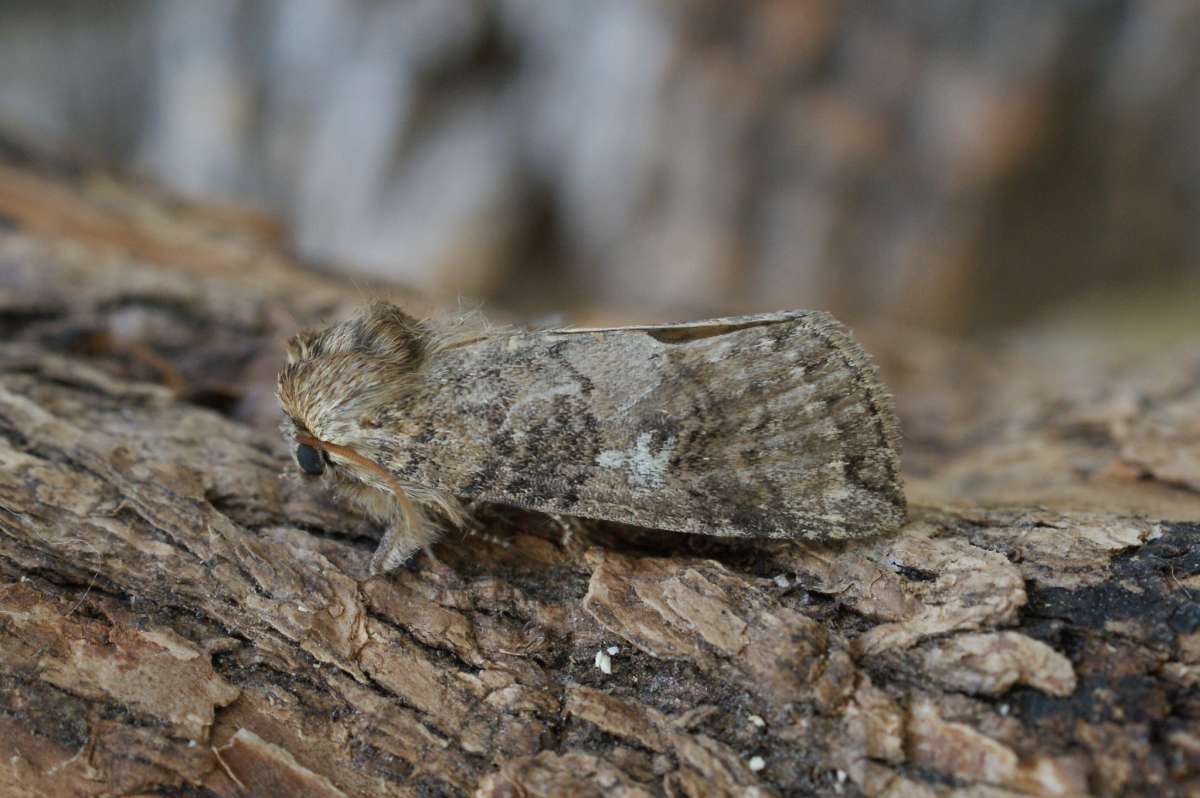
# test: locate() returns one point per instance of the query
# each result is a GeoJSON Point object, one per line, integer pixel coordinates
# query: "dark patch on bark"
{"type": "Point", "coordinates": [1143, 591]}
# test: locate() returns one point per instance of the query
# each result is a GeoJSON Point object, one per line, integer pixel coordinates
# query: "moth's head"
{"type": "Point", "coordinates": [340, 381]}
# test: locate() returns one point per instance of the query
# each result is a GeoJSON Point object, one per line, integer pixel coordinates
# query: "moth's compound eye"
{"type": "Point", "coordinates": [309, 459]}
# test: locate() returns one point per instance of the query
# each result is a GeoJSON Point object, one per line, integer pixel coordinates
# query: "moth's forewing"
{"type": "Point", "coordinates": [764, 426]}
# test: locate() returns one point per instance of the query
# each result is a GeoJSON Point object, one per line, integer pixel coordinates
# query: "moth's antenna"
{"type": "Point", "coordinates": [287, 311]}
{"type": "Point", "coordinates": [363, 296]}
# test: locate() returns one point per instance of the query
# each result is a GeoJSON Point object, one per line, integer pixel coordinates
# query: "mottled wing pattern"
{"type": "Point", "coordinates": [765, 426]}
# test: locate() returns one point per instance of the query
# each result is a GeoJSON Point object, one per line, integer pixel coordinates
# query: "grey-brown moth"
{"type": "Point", "coordinates": [774, 425]}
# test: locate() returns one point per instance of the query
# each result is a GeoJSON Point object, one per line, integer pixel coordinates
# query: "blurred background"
{"type": "Point", "coordinates": [955, 165]}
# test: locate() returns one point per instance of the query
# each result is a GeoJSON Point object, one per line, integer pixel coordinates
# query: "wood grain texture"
{"type": "Point", "coordinates": [181, 615]}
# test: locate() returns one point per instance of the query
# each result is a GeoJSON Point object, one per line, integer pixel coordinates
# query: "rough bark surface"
{"type": "Point", "coordinates": [180, 615]}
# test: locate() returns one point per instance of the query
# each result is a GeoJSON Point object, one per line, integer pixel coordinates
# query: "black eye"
{"type": "Point", "coordinates": [309, 459]}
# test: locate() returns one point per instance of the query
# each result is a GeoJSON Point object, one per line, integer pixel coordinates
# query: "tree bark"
{"type": "Point", "coordinates": [181, 615]}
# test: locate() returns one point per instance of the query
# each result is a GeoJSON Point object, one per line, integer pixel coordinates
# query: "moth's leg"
{"type": "Point", "coordinates": [393, 551]}
{"type": "Point", "coordinates": [495, 540]}
{"type": "Point", "coordinates": [401, 540]}
{"type": "Point", "coordinates": [570, 529]}
{"type": "Point", "coordinates": [472, 525]}
{"type": "Point", "coordinates": [411, 564]}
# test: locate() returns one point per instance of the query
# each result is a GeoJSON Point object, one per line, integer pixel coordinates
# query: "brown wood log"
{"type": "Point", "coordinates": [180, 615]}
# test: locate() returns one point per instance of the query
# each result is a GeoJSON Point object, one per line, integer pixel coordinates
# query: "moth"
{"type": "Point", "coordinates": [766, 426]}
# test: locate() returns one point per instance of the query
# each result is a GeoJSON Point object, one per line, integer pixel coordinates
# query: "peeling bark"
{"type": "Point", "coordinates": [180, 615]}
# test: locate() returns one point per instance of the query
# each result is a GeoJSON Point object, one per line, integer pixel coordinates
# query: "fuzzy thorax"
{"type": "Point", "coordinates": [341, 391]}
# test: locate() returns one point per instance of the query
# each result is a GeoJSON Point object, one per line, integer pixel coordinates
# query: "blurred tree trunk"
{"type": "Point", "coordinates": [180, 615]}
